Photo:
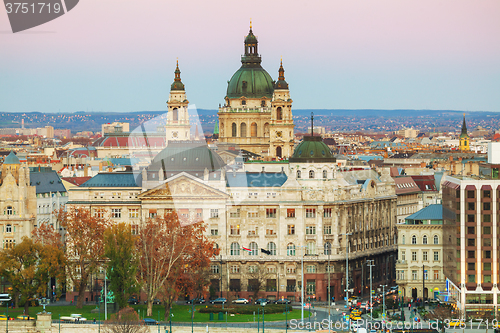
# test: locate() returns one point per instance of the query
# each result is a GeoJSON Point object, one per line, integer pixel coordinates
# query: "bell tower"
{"type": "Point", "coordinates": [464, 138]}
{"type": "Point", "coordinates": [281, 125]}
{"type": "Point", "coordinates": [177, 127]}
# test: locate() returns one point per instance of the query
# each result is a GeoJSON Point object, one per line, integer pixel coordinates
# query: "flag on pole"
{"type": "Point", "coordinates": [244, 248]}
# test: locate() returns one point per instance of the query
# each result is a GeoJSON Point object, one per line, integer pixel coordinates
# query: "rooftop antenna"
{"type": "Point", "coordinates": [312, 123]}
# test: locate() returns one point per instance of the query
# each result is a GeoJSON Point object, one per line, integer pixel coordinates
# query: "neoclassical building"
{"type": "Point", "coordinates": [257, 113]}
{"type": "Point", "coordinates": [18, 202]}
{"type": "Point", "coordinates": [293, 210]}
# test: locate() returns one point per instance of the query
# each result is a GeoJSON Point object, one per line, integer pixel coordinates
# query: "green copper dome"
{"type": "Point", "coordinates": [11, 159]}
{"type": "Point", "coordinates": [312, 150]}
{"type": "Point", "coordinates": [250, 82]}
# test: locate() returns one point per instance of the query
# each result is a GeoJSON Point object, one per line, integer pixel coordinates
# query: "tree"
{"type": "Point", "coordinates": [125, 321]}
{"type": "Point", "coordinates": [257, 279]}
{"type": "Point", "coordinates": [440, 314]}
{"type": "Point", "coordinates": [119, 248]}
{"type": "Point", "coordinates": [84, 246]}
{"type": "Point", "coordinates": [28, 266]}
{"type": "Point", "coordinates": [167, 249]}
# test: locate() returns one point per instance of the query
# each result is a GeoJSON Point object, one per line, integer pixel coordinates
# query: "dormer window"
{"type": "Point", "coordinates": [243, 102]}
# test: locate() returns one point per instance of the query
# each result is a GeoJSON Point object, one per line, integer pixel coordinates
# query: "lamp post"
{"type": "Point", "coordinates": [371, 288]}
{"type": "Point", "coordinates": [383, 298]}
{"type": "Point", "coordinates": [221, 276]}
{"type": "Point", "coordinates": [329, 251]}
{"type": "Point", "coordinates": [347, 269]}
{"type": "Point", "coordinates": [263, 304]}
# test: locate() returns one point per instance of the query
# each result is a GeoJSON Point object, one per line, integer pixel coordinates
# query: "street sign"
{"type": "Point", "coordinates": [383, 315]}
{"type": "Point", "coordinates": [373, 291]}
{"type": "Point", "coordinates": [400, 292]}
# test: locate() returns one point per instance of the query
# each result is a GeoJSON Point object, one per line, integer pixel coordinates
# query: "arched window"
{"type": "Point", "coordinates": [9, 210]}
{"type": "Point", "coordinates": [271, 246]}
{"type": "Point", "coordinates": [233, 130]}
{"type": "Point", "coordinates": [324, 174]}
{"type": "Point", "coordinates": [424, 240]}
{"type": "Point", "coordinates": [414, 239]}
{"type": "Point", "coordinates": [253, 130]}
{"type": "Point", "coordinates": [310, 248]}
{"type": "Point", "coordinates": [8, 228]}
{"type": "Point", "coordinates": [255, 249]}
{"type": "Point", "coordinates": [279, 114]}
{"type": "Point", "coordinates": [243, 130]}
{"type": "Point", "coordinates": [278, 151]}
{"type": "Point", "coordinates": [328, 248]}
{"type": "Point", "coordinates": [175, 114]}
{"type": "Point", "coordinates": [298, 174]}
{"type": "Point", "coordinates": [235, 249]}
{"type": "Point", "coordinates": [266, 130]}
{"type": "Point", "coordinates": [436, 239]}
{"type": "Point", "coordinates": [290, 249]}
{"type": "Point", "coordinates": [311, 174]}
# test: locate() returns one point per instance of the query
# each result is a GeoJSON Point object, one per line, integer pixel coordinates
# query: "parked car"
{"type": "Point", "coordinates": [25, 317]}
{"type": "Point", "coordinates": [132, 300]}
{"type": "Point", "coordinates": [196, 301]}
{"type": "Point", "coordinates": [282, 301]}
{"type": "Point", "coordinates": [150, 321]}
{"type": "Point", "coordinates": [220, 300]}
{"type": "Point", "coordinates": [155, 301]}
{"type": "Point", "coordinates": [241, 301]}
{"type": "Point", "coordinates": [263, 301]}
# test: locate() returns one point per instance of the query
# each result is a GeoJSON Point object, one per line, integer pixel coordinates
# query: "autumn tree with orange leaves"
{"type": "Point", "coordinates": [167, 251]}
{"type": "Point", "coordinates": [84, 246]}
{"type": "Point", "coordinates": [28, 266]}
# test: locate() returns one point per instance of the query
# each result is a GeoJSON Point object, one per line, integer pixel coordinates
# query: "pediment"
{"type": "Point", "coordinates": [183, 188]}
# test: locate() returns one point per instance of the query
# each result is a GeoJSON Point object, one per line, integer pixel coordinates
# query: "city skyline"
{"type": "Point", "coordinates": [339, 54]}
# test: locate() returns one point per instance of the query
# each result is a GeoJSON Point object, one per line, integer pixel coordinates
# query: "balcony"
{"type": "Point", "coordinates": [310, 236]}
{"type": "Point", "coordinates": [329, 236]}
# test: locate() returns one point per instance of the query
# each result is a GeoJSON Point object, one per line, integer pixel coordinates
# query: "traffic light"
{"type": "Point", "coordinates": [265, 251]}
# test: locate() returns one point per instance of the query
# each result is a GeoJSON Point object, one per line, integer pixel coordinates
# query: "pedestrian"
{"type": "Point", "coordinates": [94, 321]}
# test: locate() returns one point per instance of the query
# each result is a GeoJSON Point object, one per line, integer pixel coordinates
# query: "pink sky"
{"type": "Point", "coordinates": [119, 55]}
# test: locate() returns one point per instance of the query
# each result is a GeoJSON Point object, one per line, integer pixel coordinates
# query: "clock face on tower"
{"type": "Point", "coordinates": [175, 134]}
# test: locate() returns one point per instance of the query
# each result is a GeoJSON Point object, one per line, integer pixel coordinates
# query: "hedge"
{"type": "Point", "coordinates": [245, 309]}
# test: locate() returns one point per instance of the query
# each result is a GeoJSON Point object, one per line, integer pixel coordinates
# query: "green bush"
{"type": "Point", "coordinates": [376, 313]}
{"type": "Point", "coordinates": [245, 309]}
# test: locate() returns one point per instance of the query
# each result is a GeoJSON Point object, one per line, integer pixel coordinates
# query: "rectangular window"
{"type": "Point", "coordinates": [291, 269]}
{"type": "Point", "coordinates": [310, 230]}
{"type": "Point", "coordinates": [199, 214]}
{"type": "Point", "coordinates": [253, 214]}
{"type": "Point", "coordinates": [310, 212]}
{"type": "Point", "coordinates": [134, 229]}
{"type": "Point", "coordinates": [234, 229]}
{"type": "Point", "coordinates": [116, 213]}
{"type": "Point", "coordinates": [471, 266]}
{"type": "Point", "coordinates": [327, 229]}
{"type": "Point", "coordinates": [403, 255]}
{"type": "Point", "coordinates": [252, 269]}
{"type": "Point", "coordinates": [290, 213]}
{"type": "Point", "coordinates": [487, 218]}
{"type": "Point", "coordinates": [414, 275]}
{"type": "Point", "coordinates": [291, 229]}
{"type": "Point", "coordinates": [214, 213]}
{"type": "Point", "coordinates": [235, 269]}
{"type": "Point", "coordinates": [214, 269]}
{"type": "Point", "coordinates": [471, 278]}
{"type": "Point", "coordinates": [414, 255]}
{"type": "Point", "coordinates": [327, 213]}
{"type": "Point", "coordinates": [471, 194]}
{"type": "Point", "coordinates": [271, 269]}
{"type": "Point", "coordinates": [270, 230]}
{"type": "Point", "coordinates": [424, 256]}
{"type": "Point", "coordinates": [471, 230]}
{"type": "Point", "coordinates": [471, 254]}
{"type": "Point", "coordinates": [487, 194]}
{"type": "Point", "coordinates": [311, 269]}
{"type": "Point", "coordinates": [311, 287]}
{"type": "Point", "coordinates": [436, 256]}
{"type": "Point", "coordinates": [486, 230]}
{"type": "Point", "coordinates": [471, 242]}
{"type": "Point", "coordinates": [436, 275]}
{"type": "Point", "coordinates": [235, 214]}
{"type": "Point", "coordinates": [487, 254]}
{"type": "Point", "coordinates": [487, 266]}
{"type": "Point", "coordinates": [471, 206]}
{"type": "Point", "coordinates": [252, 231]}
{"type": "Point", "coordinates": [214, 230]}
{"type": "Point", "coordinates": [133, 213]}
{"type": "Point", "coordinates": [270, 213]}
{"type": "Point", "coordinates": [99, 213]}
{"type": "Point", "coordinates": [487, 279]}
{"type": "Point", "coordinates": [153, 212]}
{"type": "Point", "coordinates": [486, 241]}
{"type": "Point", "coordinates": [486, 206]}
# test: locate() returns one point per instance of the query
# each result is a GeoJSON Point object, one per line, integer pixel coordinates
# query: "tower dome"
{"type": "Point", "coordinates": [177, 85]}
{"type": "Point", "coordinates": [11, 159]}
{"type": "Point", "coordinates": [251, 80]}
{"type": "Point", "coordinates": [312, 150]}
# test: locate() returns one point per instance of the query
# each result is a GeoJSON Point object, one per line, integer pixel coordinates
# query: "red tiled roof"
{"type": "Point", "coordinates": [76, 180]}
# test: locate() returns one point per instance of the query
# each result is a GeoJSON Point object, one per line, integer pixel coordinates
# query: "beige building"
{"type": "Point", "coordinates": [294, 209]}
{"type": "Point", "coordinates": [257, 114]}
{"type": "Point", "coordinates": [18, 202]}
{"type": "Point", "coordinates": [177, 127]}
{"type": "Point", "coordinates": [408, 194]}
{"type": "Point", "coordinates": [115, 127]}
{"type": "Point", "coordinates": [422, 252]}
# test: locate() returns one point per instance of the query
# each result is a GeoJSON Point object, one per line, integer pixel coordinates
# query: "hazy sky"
{"type": "Point", "coordinates": [119, 55]}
